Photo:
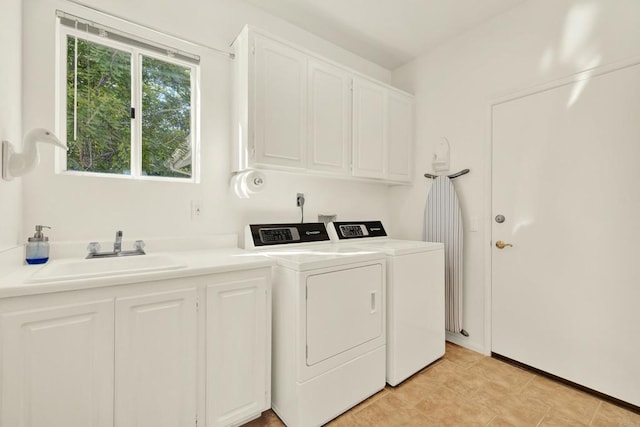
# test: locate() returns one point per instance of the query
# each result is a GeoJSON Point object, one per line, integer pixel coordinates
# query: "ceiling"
{"type": "Point", "coordinates": [387, 32]}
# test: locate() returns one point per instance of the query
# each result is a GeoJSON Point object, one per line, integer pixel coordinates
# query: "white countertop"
{"type": "Point", "coordinates": [16, 277]}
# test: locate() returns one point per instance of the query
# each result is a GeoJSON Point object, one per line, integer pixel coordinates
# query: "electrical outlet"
{"type": "Point", "coordinates": [196, 209]}
{"type": "Point", "coordinates": [300, 200]}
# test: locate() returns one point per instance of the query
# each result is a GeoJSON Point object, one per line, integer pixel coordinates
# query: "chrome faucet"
{"type": "Point", "coordinates": [117, 245]}
{"type": "Point", "coordinates": [94, 248]}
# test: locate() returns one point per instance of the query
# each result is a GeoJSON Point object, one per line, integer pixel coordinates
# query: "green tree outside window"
{"type": "Point", "coordinates": [100, 90]}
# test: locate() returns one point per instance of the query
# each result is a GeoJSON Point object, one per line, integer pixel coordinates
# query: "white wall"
{"type": "Point", "coordinates": [90, 208]}
{"type": "Point", "coordinates": [10, 117]}
{"type": "Point", "coordinates": [537, 42]}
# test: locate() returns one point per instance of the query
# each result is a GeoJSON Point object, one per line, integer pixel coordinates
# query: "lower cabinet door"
{"type": "Point", "coordinates": [237, 325]}
{"type": "Point", "coordinates": [156, 355]}
{"type": "Point", "coordinates": [57, 366]}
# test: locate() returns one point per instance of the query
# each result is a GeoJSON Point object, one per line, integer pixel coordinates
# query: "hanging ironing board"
{"type": "Point", "coordinates": [443, 223]}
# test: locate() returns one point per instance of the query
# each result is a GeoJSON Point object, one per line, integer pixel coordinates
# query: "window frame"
{"type": "Point", "coordinates": [136, 54]}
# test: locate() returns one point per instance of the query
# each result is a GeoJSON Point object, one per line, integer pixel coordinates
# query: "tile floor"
{"type": "Point", "coordinates": [466, 388]}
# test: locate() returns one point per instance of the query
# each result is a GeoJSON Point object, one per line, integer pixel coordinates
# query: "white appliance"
{"type": "Point", "coordinates": [415, 295]}
{"type": "Point", "coordinates": [328, 322]}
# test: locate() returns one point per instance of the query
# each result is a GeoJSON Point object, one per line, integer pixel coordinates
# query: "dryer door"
{"type": "Point", "coordinates": [345, 309]}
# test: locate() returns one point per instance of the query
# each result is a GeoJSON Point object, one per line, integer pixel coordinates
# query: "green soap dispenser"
{"type": "Point", "coordinates": [38, 247]}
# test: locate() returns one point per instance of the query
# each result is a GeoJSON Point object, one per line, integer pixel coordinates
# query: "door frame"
{"type": "Point", "coordinates": [583, 75]}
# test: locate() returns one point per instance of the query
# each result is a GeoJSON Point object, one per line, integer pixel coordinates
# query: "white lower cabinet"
{"type": "Point", "coordinates": [156, 352]}
{"type": "Point", "coordinates": [139, 355]}
{"type": "Point", "coordinates": [238, 340]}
{"type": "Point", "coordinates": [57, 365]}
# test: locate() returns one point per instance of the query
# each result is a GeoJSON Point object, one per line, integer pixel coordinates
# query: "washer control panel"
{"type": "Point", "coordinates": [356, 230]}
{"type": "Point", "coordinates": [278, 235]}
{"type": "Point", "coordinates": [257, 235]}
{"type": "Point", "coordinates": [353, 230]}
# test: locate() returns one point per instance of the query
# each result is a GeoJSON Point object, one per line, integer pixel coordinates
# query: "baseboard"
{"type": "Point", "coordinates": [465, 342]}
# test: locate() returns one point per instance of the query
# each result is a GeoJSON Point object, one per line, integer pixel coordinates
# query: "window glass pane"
{"type": "Point", "coordinates": [166, 119]}
{"type": "Point", "coordinates": [99, 134]}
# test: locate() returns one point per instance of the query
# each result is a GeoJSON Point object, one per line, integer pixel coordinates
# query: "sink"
{"type": "Point", "coordinates": [71, 269]}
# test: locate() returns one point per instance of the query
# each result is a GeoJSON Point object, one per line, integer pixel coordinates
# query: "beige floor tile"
{"type": "Point", "coordinates": [414, 390]}
{"type": "Point", "coordinates": [558, 420]}
{"type": "Point", "coordinates": [520, 411]}
{"type": "Point", "coordinates": [565, 401]}
{"type": "Point", "coordinates": [456, 412]}
{"type": "Point", "coordinates": [491, 395]}
{"type": "Point", "coordinates": [462, 356]}
{"type": "Point", "coordinates": [467, 389]}
{"type": "Point", "coordinates": [390, 411]}
{"type": "Point", "coordinates": [609, 415]}
{"type": "Point", "coordinates": [465, 381]}
{"type": "Point", "coordinates": [438, 372]}
{"type": "Point", "coordinates": [502, 373]}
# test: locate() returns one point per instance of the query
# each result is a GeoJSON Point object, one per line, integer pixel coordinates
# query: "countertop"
{"type": "Point", "coordinates": [16, 277]}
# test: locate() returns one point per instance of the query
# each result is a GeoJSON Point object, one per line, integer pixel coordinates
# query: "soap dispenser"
{"type": "Point", "coordinates": [38, 247]}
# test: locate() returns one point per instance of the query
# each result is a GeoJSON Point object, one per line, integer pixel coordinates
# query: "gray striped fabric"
{"type": "Point", "coordinates": [443, 223]}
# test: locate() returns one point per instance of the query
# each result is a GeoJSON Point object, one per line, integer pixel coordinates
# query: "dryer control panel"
{"type": "Point", "coordinates": [356, 230]}
{"type": "Point", "coordinates": [257, 235]}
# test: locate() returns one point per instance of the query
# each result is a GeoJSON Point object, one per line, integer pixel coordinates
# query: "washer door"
{"type": "Point", "coordinates": [345, 309]}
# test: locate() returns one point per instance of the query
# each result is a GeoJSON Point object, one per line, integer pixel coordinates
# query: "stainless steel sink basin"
{"type": "Point", "coordinates": [72, 269]}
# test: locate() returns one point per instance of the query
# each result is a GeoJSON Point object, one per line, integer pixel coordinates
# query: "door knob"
{"type": "Point", "coordinates": [501, 245]}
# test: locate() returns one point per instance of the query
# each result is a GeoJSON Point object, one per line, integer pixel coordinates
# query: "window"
{"type": "Point", "coordinates": [128, 105]}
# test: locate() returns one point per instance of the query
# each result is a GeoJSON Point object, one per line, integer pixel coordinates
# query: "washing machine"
{"type": "Point", "coordinates": [415, 295]}
{"type": "Point", "coordinates": [328, 321]}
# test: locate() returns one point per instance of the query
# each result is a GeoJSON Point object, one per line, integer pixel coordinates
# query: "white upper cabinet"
{"type": "Point", "coordinates": [382, 132]}
{"type": "Point", "coordinates": [400, 114]}
{"type": "Point", "coordinates": [329, 118]}
{"type": "Point", "coordinates": [369, 129]}
{"type": "Point", "coordinates": [297, 111]}
{"type": "Point", "coordinates": [280, 81]}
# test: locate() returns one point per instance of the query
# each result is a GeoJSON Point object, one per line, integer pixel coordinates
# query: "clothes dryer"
{"type": "Point", "coordinates": [415, 295]}
{"type": "Point", "coordinates": [328, 321]}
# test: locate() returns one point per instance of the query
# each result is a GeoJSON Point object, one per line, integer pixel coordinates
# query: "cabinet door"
{"type": "Point", "coordinates": [369, 129]}
{"type": "Point", "coordinates": [279, 110]}
{"type": "Point", "coordinates": [329, 118]}
{"type": "Point", "coordinates": [156, 359]}
{"type": "Point", "coordinates": [57, 366]}
{"type": "Point", "coordinates": [400, 136]}
{"type": "Point", "coordinates": [237, 351]}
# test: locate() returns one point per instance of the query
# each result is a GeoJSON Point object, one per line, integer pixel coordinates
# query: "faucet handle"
{"type": "Point", "coordinates": [139, 245]}
{"type": "Point", "coordinates": [93, 248]}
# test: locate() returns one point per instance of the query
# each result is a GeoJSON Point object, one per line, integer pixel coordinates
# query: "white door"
{"type": "Point", "coordinates": [237, 350]}
{"type": "Point", "coordinates": [369, 129]}
{"type": "Point", "coordinates": [329, 118]}
{"type": "Point", "coordinates": [345, 308]}
{"type": "Point", "coordinates": [57, 366]}
{"type": "Point", "coordinates": [400, 136]}
{"type": "Point", "coordinates": [565, 176]}
{"type": "Point", "coordinates": [279, 111]}
{"type": "Point", "coordinates": [156, 359]}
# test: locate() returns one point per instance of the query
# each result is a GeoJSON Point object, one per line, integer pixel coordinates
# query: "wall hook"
{"type": "Point", "coordinates": [17, 164]}
{"type": "Point", "coordinates": [441, 156]}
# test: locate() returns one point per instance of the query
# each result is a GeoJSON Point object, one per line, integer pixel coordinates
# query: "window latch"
{"type": "Point", "coordinates": [133, 113]}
